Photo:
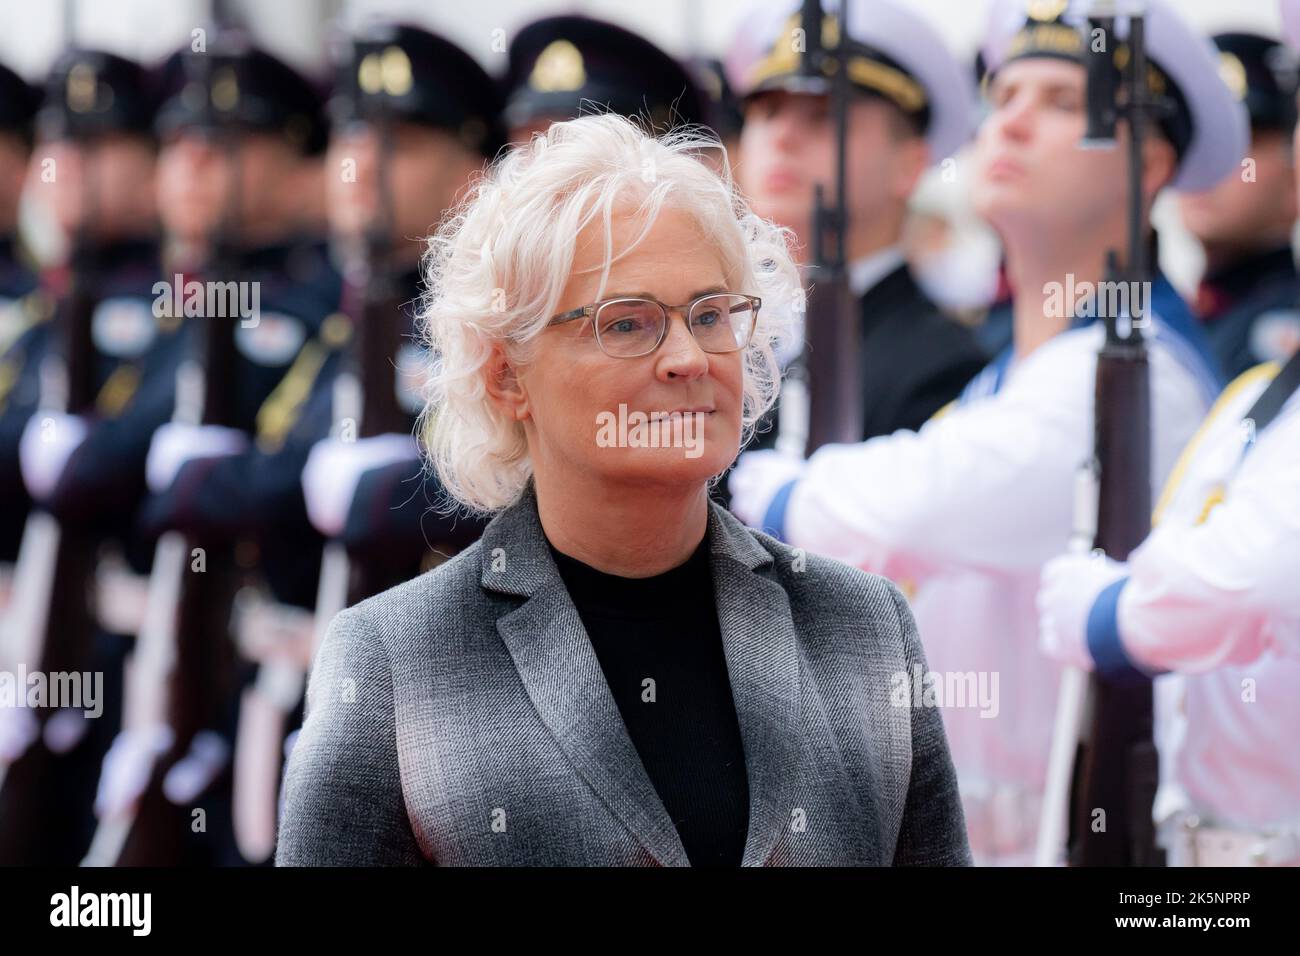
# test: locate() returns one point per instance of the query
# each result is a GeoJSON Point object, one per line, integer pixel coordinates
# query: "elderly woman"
{"type": "Point", "coordinates": [618, 672]}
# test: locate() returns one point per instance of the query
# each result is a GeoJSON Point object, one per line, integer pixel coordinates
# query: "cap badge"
{"type": "Point", "coordinates": [558, 69]}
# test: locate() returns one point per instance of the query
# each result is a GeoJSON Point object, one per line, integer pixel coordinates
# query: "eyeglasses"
{"type": "Point", "coordinates": [632, 327]}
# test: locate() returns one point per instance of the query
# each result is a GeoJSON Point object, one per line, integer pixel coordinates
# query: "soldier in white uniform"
{"type": "Point", "coordinates": [1211, 599]}
{"type": "Point", "coordinates": [966, 511]}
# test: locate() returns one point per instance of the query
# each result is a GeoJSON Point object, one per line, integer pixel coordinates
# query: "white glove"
{"type": "Point", "coordinates": [175, 444]}
{"type": "Point", "coordinates": [19, 729]}
{"type": "Point", "coordinates": [334, 468]}
{"type": "Point", "coordinates": [65, 729]}
{"type": "Point", "coordinates": [1067, 590]}
{"type": "Point", "coordinates": [756, 479]}
{"type": "Point", "coordinates": [48, 441]}
{"type": "Point", "coordinates": [192, 774]}
{"type": "Point", "coordinates": [127, 768]}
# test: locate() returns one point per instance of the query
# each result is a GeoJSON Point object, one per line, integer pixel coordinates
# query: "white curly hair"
{"type": "Point", "coordinates": [496, 267]}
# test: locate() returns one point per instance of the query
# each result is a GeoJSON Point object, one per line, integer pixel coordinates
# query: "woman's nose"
{"type": "Point", "coordinates": [680, 356]}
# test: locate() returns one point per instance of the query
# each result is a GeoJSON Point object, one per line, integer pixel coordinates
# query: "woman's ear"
{"type": "Point", "coordinates": [503, 385]}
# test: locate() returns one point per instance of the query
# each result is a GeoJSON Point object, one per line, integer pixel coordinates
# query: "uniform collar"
{"type": "Point", "coordinates": [866, 272]}
{"type": "Point", "coordinates": [276, 256]}
{"type": "Point", "coordinates": [130, 253]}
{"type": "Point", "coordinates": [1219, 289]}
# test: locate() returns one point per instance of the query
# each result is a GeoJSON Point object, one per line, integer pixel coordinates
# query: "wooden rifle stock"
{"type": "Point", "coordinates": [51, 621]}
{"type": "Point", "coordinates": [832, 335]}
{"type": "Point", "coordinates": [1117, 770]}
{"type": "Point", "coordinates": [367, 391]}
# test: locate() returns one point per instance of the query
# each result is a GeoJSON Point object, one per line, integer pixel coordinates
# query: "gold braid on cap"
{"type": "Point", "coordinates": [784, 58]}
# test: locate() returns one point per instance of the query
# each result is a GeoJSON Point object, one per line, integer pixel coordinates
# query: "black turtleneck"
{"type": "Point", "coordinates": [665, 629]}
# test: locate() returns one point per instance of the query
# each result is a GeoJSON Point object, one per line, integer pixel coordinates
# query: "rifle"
{"type": "Point", "coordinates": [373, 360]}
{"type": "Point", "coordinates": [364, 404]}
{"type": "Point", "coordinates": [183, 669]}
{"type": "Point", "coordinates": [50, 623]}
{"type": "Point", "coordinates": [832, 356]}
{"type": "Point", "coordinates": [1116, 768]}
{"type": "Point", "coordinates": [364, 397]}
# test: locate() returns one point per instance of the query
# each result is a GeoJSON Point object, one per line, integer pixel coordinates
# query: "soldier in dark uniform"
{"type": "Point", "coordinates": [20, 307]}
{"type": "Point", "coordinates": [1247, 299]}
{"type": "Point", "coordinates": [414, 118]}
{"type": "Point", "coordinates": [911, 108]}
{"type": "Point", "coordinates": [100, 478]}
{"type": "Point", "coordinates": [241, 197]}
{"type": "Point", "coordinates": [443, 117]}
{"type": "Point", "coordinates": [275, 133]}
{"type": "Point", "coordinates": [95, 168]}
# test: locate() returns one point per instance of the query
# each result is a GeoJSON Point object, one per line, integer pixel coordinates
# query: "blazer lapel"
{"type": "Point", "coordinates": [567, 686]}
{"type": "Point", "coordinates": [563, 677]}
{"type": "Point", "coordinates": [758, 639]}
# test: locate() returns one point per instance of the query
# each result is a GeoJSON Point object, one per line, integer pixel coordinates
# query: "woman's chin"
{"type": "Point", "coordinates": [669, 466]}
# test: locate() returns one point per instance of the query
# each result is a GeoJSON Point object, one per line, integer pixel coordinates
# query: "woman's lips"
{"type": "Point", "coordinates": [680, 412]}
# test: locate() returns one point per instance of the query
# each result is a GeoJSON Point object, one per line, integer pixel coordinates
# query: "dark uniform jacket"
{"type": "Point", "coordinates": [1250, 310]}
{"type": "Point", "coordinates": [101, 482]}
{"type": "Point", "coordinates": [257, 495]}
{"type": "Point", "coordinates": [397, 518]}
{"type": "Point", "coordinates": [23, 333]}
{"type": "Point", "coordinates": [915, 359]}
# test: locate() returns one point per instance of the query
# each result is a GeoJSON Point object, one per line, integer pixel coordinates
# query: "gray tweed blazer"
{"type": "Point", "coordinates": [462, 718]}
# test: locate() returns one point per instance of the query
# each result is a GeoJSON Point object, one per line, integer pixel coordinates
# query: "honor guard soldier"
{"type": "Point", "coordinates": [567, 66]}
{"type": "Point", "coordinates": [911, 108]}
{"type": "Point", "coordinates": [241, 196]}
{"type": "Point", "coordinates": [1210, 599]}
{"type": "Point", "coordinates": [1247, 299]}
{"type": "Point", "coordinates": [274, 130]}
{"type": "Point", "coordinates": [966, 511]}
{"type": "Point", "coordinates": [89, 471]}
{"type": "Point", "coordinates": [95, 162]}
{"type": "Point", "coordinates": [414, 119]}
{"type": "Point", "coordinates": [20, 306]}
{"type": "Point", "coordinates": [418, 118]}
{"type": "Point", "coordinates": [1210, 602]}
